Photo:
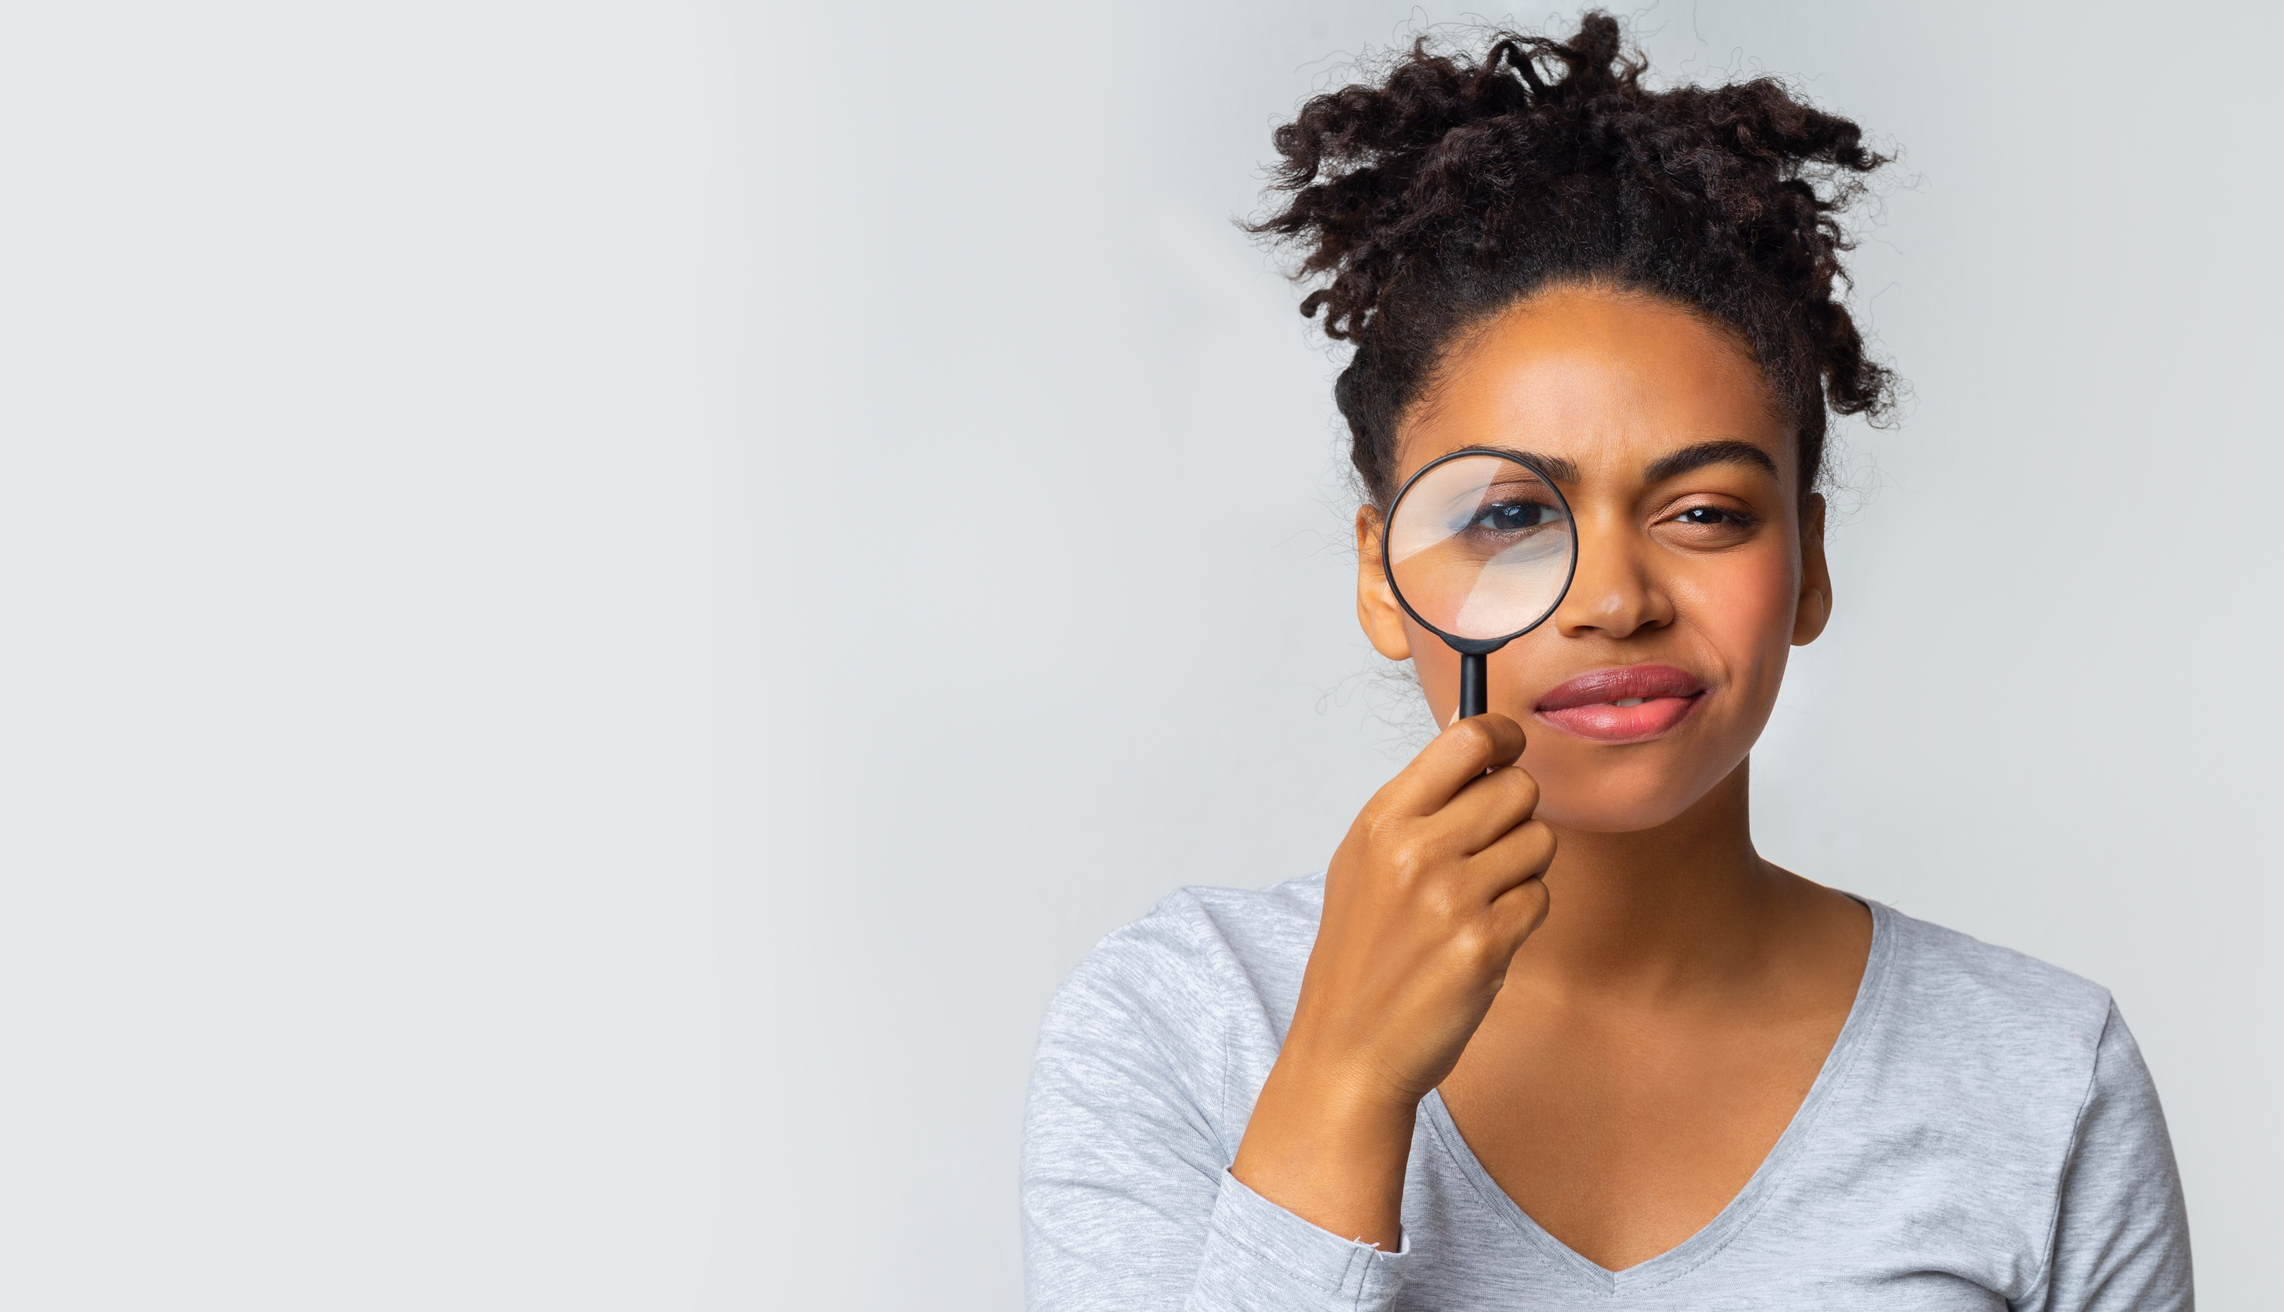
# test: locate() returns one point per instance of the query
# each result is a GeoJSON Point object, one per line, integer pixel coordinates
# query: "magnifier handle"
{"type": "Point", "coordinates": [1472, 698]}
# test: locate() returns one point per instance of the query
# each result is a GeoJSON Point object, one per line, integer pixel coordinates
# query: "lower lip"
{"type": "Point", "coordinates": [1608, 722]}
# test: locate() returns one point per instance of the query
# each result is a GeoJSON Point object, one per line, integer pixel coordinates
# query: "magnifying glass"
{"type": "Point", "coordinates": [1480, 549]}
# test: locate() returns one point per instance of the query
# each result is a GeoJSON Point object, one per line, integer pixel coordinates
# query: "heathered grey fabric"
{"type": "Point", "coordinates": [1984, 1135]}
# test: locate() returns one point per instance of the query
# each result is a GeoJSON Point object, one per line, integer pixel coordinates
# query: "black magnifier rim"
{"type": "Point", "coordinates": [1478, 646]}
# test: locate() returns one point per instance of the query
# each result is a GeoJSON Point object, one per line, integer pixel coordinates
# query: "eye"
{"type": "Point", "coordinates": [1513, 516]}
{"type": "Point", "coordinates": [1712, 517]}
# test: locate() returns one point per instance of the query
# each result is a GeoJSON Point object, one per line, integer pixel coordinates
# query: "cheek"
{"type": "Point", "coordinates": [1744, 604]}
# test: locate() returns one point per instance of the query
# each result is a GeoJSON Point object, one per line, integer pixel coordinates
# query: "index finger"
{"type": "Point", "coordinates": [1456, 758]}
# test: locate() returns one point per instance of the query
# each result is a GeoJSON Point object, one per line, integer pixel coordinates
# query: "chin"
{"type": "Point", "coordinates": [1621, 801]}
{"type": "Point", "coordinates": [1607, 815]}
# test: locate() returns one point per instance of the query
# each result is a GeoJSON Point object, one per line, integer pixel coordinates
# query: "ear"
{"type": "Point", "coordinates": [1376, 607]}
{"type": "Point", "coordinates": [1815, 607]}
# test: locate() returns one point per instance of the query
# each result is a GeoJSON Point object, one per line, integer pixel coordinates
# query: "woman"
{"type": "Point", "coordinates": [1548, 1030]}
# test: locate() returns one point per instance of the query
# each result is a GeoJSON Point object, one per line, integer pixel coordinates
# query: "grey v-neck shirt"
{"type": "Point", "coordinates": [1983, 1135]}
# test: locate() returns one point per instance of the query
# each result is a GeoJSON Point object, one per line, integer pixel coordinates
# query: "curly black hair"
{"type": "Point", "coordinates": [1451, 188]}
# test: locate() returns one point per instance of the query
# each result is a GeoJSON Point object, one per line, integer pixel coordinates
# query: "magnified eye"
{"type": "Point", "coordinates": [1513, 517]}
{"type": "Point", "coordinates": [1479, 547]}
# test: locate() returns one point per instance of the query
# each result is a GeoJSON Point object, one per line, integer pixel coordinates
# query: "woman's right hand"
{"type": "Point", "coordinates": [1425, 904]}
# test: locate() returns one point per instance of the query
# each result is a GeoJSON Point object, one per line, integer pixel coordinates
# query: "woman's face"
{"type": "Point", "coordinates": [1696, 570]}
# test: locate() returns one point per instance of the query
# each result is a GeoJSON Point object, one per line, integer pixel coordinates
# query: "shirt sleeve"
{"type": "Point", "coordinates": [2121, 1230]}
{"type": "Point", "coordinates": [1127, 1202]}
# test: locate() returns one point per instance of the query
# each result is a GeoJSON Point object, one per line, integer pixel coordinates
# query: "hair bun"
{"type": "Point", "coordinates": [1450, 187]}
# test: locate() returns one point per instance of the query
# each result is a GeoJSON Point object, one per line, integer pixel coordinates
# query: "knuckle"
{"type": "Point", "coordinates": [1539, 908]}
{"type": "Point", "coordinates": [1536, 899]}
{"type": "Point", "coordinates": [1526, 919]}
{"type": "Point", "coordinates": [1542, 841]}
{"type": "Point", "coordinates": [1474, 736]}
{"type": "Point", "coordinates": [1473, 945]}
{"type": "Point", "coordinates": [1439, 903]}
{"type": "Point", "coordinates": [1519, 858]}
{"type": "Point", "coordinates": [1526, 788]}
{"type": "Point", "coordinates": [1382, 828]}
{"type": "Point", "coordinates": [1410, 860]}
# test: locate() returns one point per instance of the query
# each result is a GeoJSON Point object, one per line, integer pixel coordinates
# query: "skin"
{"type": "Point", "coordinates": [1621, 1003]}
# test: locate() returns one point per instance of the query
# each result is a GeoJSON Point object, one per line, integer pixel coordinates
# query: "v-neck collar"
{"type": "Point", "coordinates": [1716, 1234]}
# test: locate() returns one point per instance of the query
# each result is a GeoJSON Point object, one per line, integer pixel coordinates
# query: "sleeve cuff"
{"type": "Point", "coordinates": [1263, 1256]}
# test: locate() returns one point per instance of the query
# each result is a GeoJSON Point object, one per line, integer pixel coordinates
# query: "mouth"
{"type": "Point", "coordinates": [1623, 703]}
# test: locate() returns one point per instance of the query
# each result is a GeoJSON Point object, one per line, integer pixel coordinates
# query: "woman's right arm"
{"type": "Point", "coordinates": [1425, 904]}
{"type": "Point", "coordinates": [1126, 1200]}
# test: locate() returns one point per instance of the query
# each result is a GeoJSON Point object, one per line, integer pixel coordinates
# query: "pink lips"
{"type": "Point", "coordinates": [1661, 698]}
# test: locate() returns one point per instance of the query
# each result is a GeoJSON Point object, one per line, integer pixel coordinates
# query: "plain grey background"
{"type": "Point", "coordinates": [601, 598]}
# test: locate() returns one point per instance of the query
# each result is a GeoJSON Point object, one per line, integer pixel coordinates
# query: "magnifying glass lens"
{"type": "Point", "coordinates": [1480, 547]}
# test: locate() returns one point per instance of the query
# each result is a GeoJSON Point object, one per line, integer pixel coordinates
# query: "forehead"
{"type": "Point", "coordinates": [1608, 380]}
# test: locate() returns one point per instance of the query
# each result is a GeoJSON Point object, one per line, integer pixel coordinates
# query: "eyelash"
{"type": "Point", "coordinates": [1736, 517]}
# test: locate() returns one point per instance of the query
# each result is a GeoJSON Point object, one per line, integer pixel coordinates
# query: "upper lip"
{"type": "Point", "coordinates": [1618, 682]}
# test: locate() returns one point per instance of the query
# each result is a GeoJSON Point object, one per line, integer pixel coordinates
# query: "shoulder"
{"type": "Point", "coordinates": [2019, 1002]}
{"type": "Point", "coordinates": [1197, 952]}
{"type": "Point", "coordinates": [2035, 1028]}
{"type": "Point", "coordinates": [1982, 1044]}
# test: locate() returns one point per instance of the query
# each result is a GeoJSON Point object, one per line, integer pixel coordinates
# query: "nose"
{"type": "Point", "coordinates": [1615, 594]}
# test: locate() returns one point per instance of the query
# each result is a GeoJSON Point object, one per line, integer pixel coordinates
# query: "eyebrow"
{"type": "Point", "coordinates": [1559, 468]}
{"type": "Point", "coordinates": [1670, 465]}
{"type": "Point", "coordinates": [1728, 451]}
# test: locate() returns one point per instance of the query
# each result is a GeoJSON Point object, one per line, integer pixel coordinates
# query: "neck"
{"type": "Point", "coordinates": [1686, 905]}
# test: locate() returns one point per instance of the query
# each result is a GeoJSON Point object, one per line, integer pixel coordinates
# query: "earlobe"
{"type": "Point", "coordinates": [1814, 609]}
{"type": "Point", "coordinates": [1376, 608]}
